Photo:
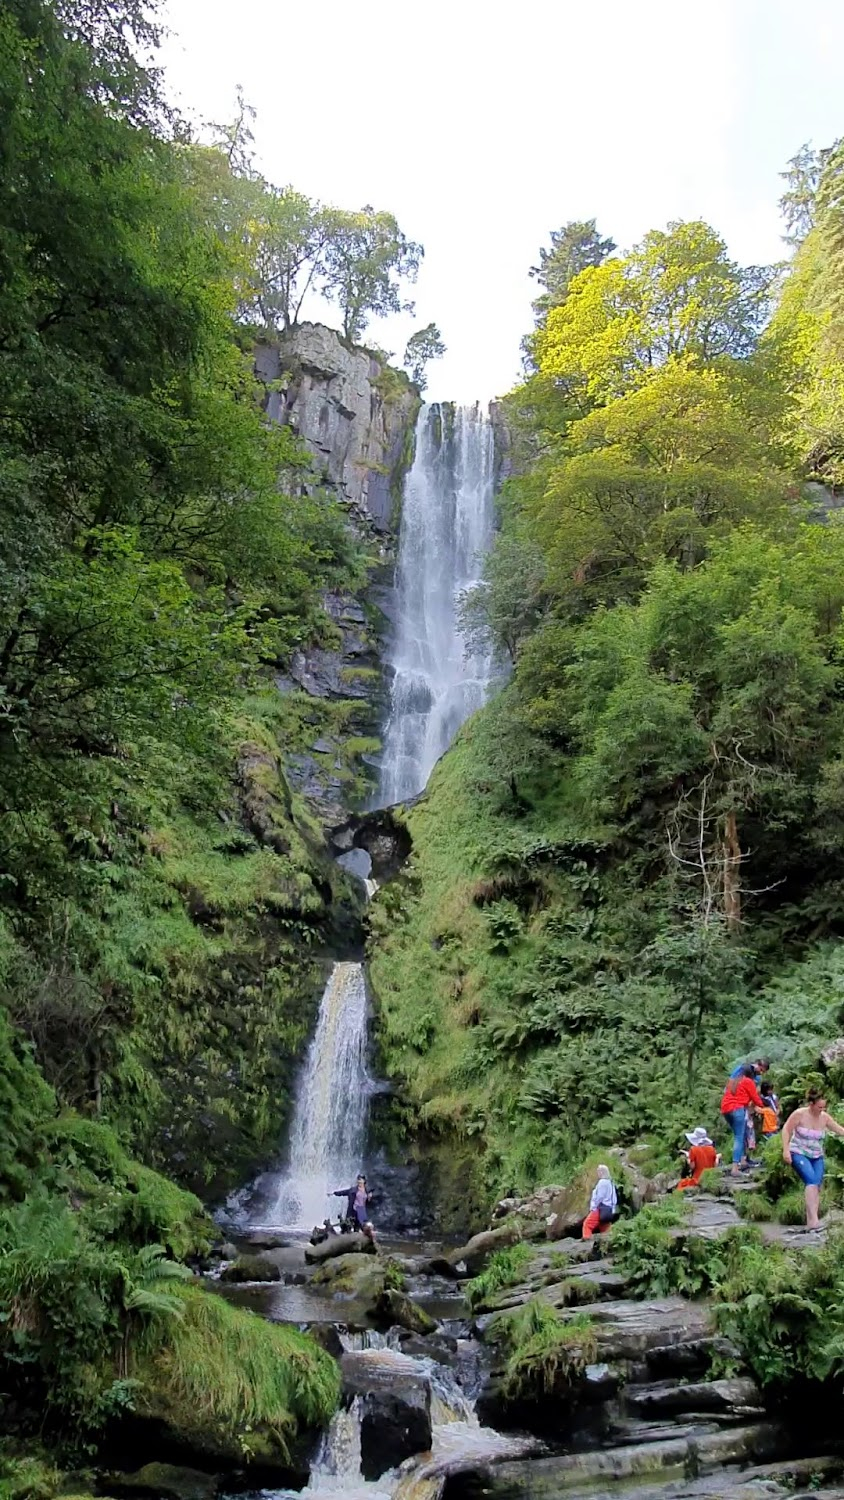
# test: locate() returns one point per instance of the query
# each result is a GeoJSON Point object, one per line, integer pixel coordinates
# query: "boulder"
{"type": "Point", "coordinates": [833, 1054]}
{"type": "Point", "coordinates": [163, 1482]}
{"type": "Point", "coordinates": [359, 1277]}
{"type": "Point", "coordinates": [569, 1208]}
{"type": "Point", "coordinates": [396, 1310]}
{"type": "Point", "coordinates": [228, 1251]}
{"type": "Point", "coordinates": [326, 1335]}
{"type": "Point", "coordinates": [537, 1206]}
{"type": "Point", "coordinates": [339, 1244]}
{"type": "Point", "coordinates": [735, 1397]}
{"type": "Point", "coordinates": [263, 1239]}
{"type": "Point", "coordinates": [251, 1268]}
{"type": "Point", "coordinates": [394, 1399]}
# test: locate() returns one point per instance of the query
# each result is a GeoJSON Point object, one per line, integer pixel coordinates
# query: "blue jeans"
{"type": "Point", "coordinates": [737, 1121]}
{"type": "Point", "coordinates": [808, 1168]}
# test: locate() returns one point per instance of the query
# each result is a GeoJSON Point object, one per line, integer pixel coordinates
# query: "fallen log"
{"type": "Point", "coordinates": [339, 1244]}
{"type": "Point", "coordinates": [468, 1259]}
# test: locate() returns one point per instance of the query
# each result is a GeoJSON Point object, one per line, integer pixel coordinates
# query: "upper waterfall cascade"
{"type": "Point", "coordinates": [446, 527]}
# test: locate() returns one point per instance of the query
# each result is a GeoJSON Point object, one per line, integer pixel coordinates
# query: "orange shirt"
{"type": "Point", "coordinates": [701, 1158]}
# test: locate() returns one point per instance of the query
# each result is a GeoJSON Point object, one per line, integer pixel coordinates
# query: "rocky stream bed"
{"type": "Point", "coordinates": [659, 1408]}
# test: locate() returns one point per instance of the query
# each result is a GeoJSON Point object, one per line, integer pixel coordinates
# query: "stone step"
{"type": "Point", "coordinates": [737, 1397]}
{"type": "Point", "coordinates": [629, 1432]}
{"type": "Point", "coordinates": [548, 1478]}
{"type": "Point", "coordinates": [630, 1330]}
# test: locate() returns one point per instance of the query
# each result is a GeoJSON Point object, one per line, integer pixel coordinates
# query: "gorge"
{"type": "Point", "coordinates": [448, 791]}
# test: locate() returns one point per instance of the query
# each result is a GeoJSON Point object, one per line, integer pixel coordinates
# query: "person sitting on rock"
{"type": "Point", "coordinates": [602, 1205]}
{"type": "Point", "coordinates": [358, 1199]}
{"type": "Point", "coordinates": [700, 1157]}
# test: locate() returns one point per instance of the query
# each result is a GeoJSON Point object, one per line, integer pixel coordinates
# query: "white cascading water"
{"type": "Point", "coordinates": [331, 1106]}
{"type": "Point", "coordinates": [446, 527]}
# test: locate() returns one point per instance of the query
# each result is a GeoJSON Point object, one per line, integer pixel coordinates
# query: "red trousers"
{"type": "Point", "coordinates": [593, 1222]}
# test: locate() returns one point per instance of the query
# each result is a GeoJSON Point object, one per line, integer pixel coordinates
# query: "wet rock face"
{"type": "Point", "coordinates": [382, 834]}
{"type": "Point", "coordinates": [395, 1408]}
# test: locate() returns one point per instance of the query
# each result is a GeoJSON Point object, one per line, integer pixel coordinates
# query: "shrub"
{"type": "Point", "coordinates": [659, 1259]}
{"type": "Point", "coordinates": [505, 1268]}
{"type": "Point", "coordinates": [546, 1352]}
{"type": "Point", "coordinates": [73, 1306]}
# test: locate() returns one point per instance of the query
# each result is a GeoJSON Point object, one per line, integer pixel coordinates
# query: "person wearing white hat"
{"type": "Point", "coordinates": [700, 1156]}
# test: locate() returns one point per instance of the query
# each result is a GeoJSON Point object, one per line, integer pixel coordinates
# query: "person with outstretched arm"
{"type": "Point", "coordinates": [358, 1199]}
{"type": "Point", "coordinates": [803, 1148]}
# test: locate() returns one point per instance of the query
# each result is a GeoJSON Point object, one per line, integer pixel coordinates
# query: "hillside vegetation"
{"type": "Point", "coordinates": [166, 903]}
{"type": "Point", "coordinates": [628, 870]}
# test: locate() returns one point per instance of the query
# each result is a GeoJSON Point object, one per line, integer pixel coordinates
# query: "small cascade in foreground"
{"type": "Point", "coordinates": [331, 1108]}
{"type": "Point", "coordinates": [447, 525]}
{"type": "Point", "coordinates": [459, 1440]}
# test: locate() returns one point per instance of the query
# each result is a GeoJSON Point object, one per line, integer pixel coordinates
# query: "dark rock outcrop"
{"type": "Point", "coordinates": [251, 1268]}
{"type": "Point", "coordinates": [395, 1409]}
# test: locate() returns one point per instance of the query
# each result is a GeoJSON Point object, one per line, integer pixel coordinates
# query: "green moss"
{"type": "Point", "coordinates": [234, 1381]}
{"type": "Point", "coordinates": [505, 1268]}
{"type": "Point", "coordinates": [546, 1354]}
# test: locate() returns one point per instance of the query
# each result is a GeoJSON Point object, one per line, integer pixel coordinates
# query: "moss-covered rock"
{"type": "Point", "coordinates": [251, 1268]}
{"type": "Point", "coordinates": [229, 1390]}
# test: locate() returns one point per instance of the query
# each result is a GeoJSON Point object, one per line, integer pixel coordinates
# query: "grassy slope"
{"type": "Point", "coordinates": [515, 999]}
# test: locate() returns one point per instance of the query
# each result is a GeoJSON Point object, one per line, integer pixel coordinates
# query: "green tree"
{"type": "Point", "coordinates": [291, 237]}
{"type": "Point", "coordinates": [366, 259]}
{"type": "Point", "coordinates": [423, 346]}
{"type": "Point", "coordinates": [677, 293]}
{"type": "Point", "coordinates": [574, 247]}
{"type": "Point", "coordinates": [510, 600]}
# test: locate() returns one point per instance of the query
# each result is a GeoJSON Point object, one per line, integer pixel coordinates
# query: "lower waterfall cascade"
{"type": "Point", "coordinates": [331, 1107]}
{"type": "Point", "coordinates": [446, 527]}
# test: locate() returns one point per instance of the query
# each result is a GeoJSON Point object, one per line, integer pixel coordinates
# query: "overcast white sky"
{"type": "Point", "coordinates": [483, 126]}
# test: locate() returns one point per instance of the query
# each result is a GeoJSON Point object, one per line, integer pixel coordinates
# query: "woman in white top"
{"type": "Point", "coordinates": [602, 1205]}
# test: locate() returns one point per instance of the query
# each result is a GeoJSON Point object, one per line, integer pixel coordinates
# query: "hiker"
{"type": "Point", "coordinates": [602, 1205]}
{"type": "Point", "coordinates": [770, 1121]}
{"type": "Point", "coordinates": [358, 1199]}
{"type": "Point", "coordinates": [803, 1147]}
{"type": "Point", "coordinates": [758, 1068]}
{"type": "Point", "coordinates": [700, 1157]}
{"type": "Point", "coordinates": [740, 1096]}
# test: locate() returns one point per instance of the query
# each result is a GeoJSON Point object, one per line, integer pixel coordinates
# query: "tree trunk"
{"type": "Point", "coordinates": [732, 875]}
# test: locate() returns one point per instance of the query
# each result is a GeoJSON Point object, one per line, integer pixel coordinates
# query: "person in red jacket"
{"type": "Point", "coordinates": [740, 1095]}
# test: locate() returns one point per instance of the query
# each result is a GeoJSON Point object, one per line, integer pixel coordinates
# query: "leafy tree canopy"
{"type": "Point", "coordinates": [423, 346]}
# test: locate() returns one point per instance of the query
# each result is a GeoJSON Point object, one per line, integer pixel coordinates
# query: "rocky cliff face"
{"type": "Point", "coordinates": [357, 416]}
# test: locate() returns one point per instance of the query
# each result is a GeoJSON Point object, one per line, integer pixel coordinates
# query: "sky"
{"type": "Point", "coordinates": [483, 126]}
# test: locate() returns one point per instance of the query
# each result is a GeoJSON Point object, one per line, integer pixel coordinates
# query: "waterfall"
{"type": "Point", "coordinates": [331, 1106]}
{"type": "Point", "coordinates": [446, 527]}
